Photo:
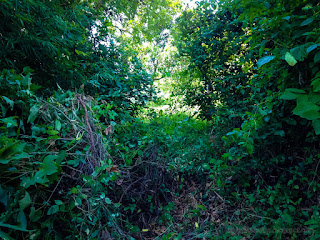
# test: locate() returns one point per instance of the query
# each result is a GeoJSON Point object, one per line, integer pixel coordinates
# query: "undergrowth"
{"type": "Point", "coordinates": [232, 153]}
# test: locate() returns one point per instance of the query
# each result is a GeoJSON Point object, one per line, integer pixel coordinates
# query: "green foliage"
{"type": "Point", "coordinates": [249, 59]}
{"type": "Point", "coordinates": [72, 45]}
{"type": "Point", "coordinates": [232, 153]}
{"type": "Point", "coordinates": [215, 45]}
{"type": "Point", "coordinates": [49, 172]}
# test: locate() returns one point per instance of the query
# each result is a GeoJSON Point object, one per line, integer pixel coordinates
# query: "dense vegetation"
{"type": "Point", "coordinates": [151, 120]}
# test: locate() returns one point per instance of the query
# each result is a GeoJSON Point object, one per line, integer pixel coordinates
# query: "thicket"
{"type": "Point", "coordinates": [251, 59]}
{"type": "Point", "coordinates": [84, 156]}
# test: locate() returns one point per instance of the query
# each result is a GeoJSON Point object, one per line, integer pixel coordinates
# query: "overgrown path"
{"type": "Point", "coordinates": [86, 154]}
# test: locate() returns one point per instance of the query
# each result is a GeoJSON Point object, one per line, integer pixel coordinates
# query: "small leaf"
{"type": "Point", "coordinates": [80, 52]}
{"type": "Point", "coordinates": [49, 165]}
{"type": "Point", "coordinates": [27, 70]}
{"type": "Point", "coordinates": [58, 125]}
{"type": "Point", "coordinates": [22, 220]}
{"type": "Point", "coordinates": [196, 225]}
{"type": "Point", "coordinates": [33, 113]}
{"type": "Point", "coordinates": [78, 201]}
{"type": "Point", "coordinates": [311, 48]}
{"type": "Point", "coordinates": [25, 202]}
{"type": "Point", "coordinates": [53, 209]}
{"type": "Point", "coordinates": [107, 200]}
{"type": "Point", "coordinates": [74, 190]}
{"type": "Point", "coordinates": [307, 7]}
{"type": "Point", "coordinates": [145, 230]}
{"type": "Point", "coordinates": [290, 59]}
{"type": "Point", "coordinates": [52, 132]}
{"type": "Point", "coordinates": [58, 202]}
{"type": "Point", "coordinates": [307, 22]}
{"type": "Point", "coordinates": [9, 102]}
{"type": "Point", "coordinates": [264, 60]}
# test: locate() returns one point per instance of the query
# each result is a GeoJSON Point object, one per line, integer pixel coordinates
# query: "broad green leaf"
{"type": "Point", "coordinates": [296, 90]}
{"type": "Point", "coordinates": [10, 122]}
{"type": "Point", "coordinates": [4, 161]}
{"type": "Point", "coordinates": [307, 22]}
{"type": "Point", "coordinates": [291, 93]}
{"type": "Point", "coordinates": [314, 97]}
{"type": "Point", "coordinates": [58, 202]}
{"type": "Point", "coordinates": [35, 215]}
{"type": "Point", "coordinates": [33, 113]}
{"type": "Point", "coordinates": [61, 156]}
{"type": "Point", "coordinates": [316, 126]}
{"type": "Point", "coordinates": [40, 177]}
{"type": "Point", "coordinates": [317, 57]}
{"type": "Point", "coordinates": [74, 190]}
{"type": "Point", "coordinates": [311, 115]}
{"type": "Point", "coordinates": [304, 105]}
{"type": "Point", "coordinates": [20, 156]}
{"type": "Point", "coordinates": [49, 165]}
{"type": "Point", "coordinates": [287, 95]}
{"type": "Point", "coordinates": [53, 209]}
{"type": "Point", "coordinates": [78, 201]}
{"type": "Point", "coordinates": [9, 148]}
{"type": "Point", "coordinates": [299, 53]}
{"type": "Point", "coordinates": [25, 202]}
{"type": "Point", "coordinates": [9, 102]}
{"type": "Point", "coordinates": [58, 125]}
{"type": "Point", "coordinates": [22, 220]}
{"type": "Point", "coordinates": [250, 148]}
{"type": "Point", "coordinates": [264, 60]}
{"type": "Point", "coordinates": [26, 81]}
{"type": "Point", "coordinates": [27, 70]}
{"type": "Point", "coordinates": [290, 59]}
{"type": "Point", "coordinates": [316, 85]}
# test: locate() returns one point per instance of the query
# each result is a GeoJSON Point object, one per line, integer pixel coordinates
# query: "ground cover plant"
{"type": "Point", "coordinates": [155, 120]}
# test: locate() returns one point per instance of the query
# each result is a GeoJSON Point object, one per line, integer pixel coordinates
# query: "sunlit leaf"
{"type": "Point", "coordinates": [290, 59]}
{"type": "Point", "coordinates": [264, 60]}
